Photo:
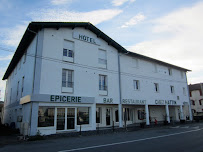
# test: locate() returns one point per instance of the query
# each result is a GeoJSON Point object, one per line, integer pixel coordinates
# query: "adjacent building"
{"type": "Point", "coordinates": [66, 75]}
{"type": "Point", "coordinates": [196, 97]}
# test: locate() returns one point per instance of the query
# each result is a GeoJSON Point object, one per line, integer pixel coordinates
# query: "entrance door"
{"type": "Point", "coordinates": [60, 119]}
{"type": "Point", "coordinates": [70, 118]}
{"type": "Point", "coordinates": [108, 116]}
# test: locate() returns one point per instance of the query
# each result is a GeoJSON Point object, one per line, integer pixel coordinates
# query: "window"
{"type": "Point", "coordinates": [10, 95]}
{"type": "Point", "coordinates": [200, 92]}
{"type": "Point", "coordinates": [136, 84]}
{"type": "Point", "coordinates": [190, 93]}
{"type": "Point", "coordinates": [102, 57]}
{"type": "Point", "coordinates": [68, 49]}
{"type": "Point", "coordinates": [184, 91]}
{"type": "Point", "coordinates": [22, 86]}
{"type": "Point", "coordinates": [46, 116]}
{"type": "Point", "coordinates": [200, 102]}
{"type": "Point", "coordinates": [169, 71]}
{"type": "Point", "coordinates": [141, 114]}
{"type": "Point", "coordinates": [98, 115]}
{"type": "Point", "coordinates": [83, 115]}
{"type": "Point", "coordinates": [156, 87]}
{"type": "Point", "coordinates": [102, 82]}
{"type": "Point", "coordinates": [192, 102]}
{"type": "Point", "coordinates": [17, 88]}
{"type": "Point", "coordinates": [67, 78]}
{"type": "Point", "coordinates": [127, 114]}
{"type": "Point", "coordinates": [116, 115]}
{"type": "Point", "coordinates": [172, 89]}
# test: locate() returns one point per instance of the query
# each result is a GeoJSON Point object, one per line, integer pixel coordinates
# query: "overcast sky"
{"type": "Point", "coordinates": [168, 30]}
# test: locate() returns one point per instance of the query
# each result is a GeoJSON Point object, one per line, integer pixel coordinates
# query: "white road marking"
{"type": "Point", "coordinates": [175, 127]}
{"type": "Point", "coordinates": [130, 141]}
{"type": "Point", "coordinates": [185, 127]}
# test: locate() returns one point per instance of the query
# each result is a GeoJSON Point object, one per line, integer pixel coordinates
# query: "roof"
{"type": "Point", "coordinates": [196, 86]}
{"type": "Point", "coordinates": [37, 26]}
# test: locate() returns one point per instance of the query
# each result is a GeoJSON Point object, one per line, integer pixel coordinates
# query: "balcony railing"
{"type": "Point", "coordinates": [67, 84]}
{"type": "Point", "coordinates": [103, 87]}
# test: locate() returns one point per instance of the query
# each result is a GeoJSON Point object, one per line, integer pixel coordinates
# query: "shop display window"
{"type": "Point", "coordinates": [46, 116]}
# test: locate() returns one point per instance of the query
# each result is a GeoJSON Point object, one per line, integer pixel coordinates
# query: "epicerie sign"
{"type": "Point", "coordinates": [72, 99]}
{"type": "Point", "coordinates": [132, 101]}
{"type": "Point", "coordinates": [85, 38]}
{"type": "Point", "coordinates": [166, 102]}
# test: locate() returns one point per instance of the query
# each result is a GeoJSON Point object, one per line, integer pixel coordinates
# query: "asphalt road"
{"type": "Point", "coordinates": [187, 138]}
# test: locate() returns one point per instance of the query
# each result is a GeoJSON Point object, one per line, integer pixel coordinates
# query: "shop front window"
{"type": "Point", "coordinates": [141, 114]}
{"type": "Point", "coordinates": [83, 115]}
{"type": "Point", "coordinates": [46, 116]}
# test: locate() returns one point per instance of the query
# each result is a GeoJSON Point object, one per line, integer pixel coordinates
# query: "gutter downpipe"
{"type": "Point", "coordinates": [190, 110]}
{"type": "Point", "coordinates": [34, 69]}
{"type": "Point", "coordinates": [120, 95]}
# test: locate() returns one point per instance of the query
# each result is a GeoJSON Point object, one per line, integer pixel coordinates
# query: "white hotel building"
{"type": "Point", "coordinates": [64, 75]}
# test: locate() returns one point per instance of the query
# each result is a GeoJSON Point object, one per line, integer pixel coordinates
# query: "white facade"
{"type": "Point", "coordinates": [73, 69]}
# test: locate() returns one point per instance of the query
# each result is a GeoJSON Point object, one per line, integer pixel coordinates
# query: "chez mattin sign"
{"type": "Point", "coordinates": [165, 102]}
{"type": "Point", "coordinates": [86, 38]}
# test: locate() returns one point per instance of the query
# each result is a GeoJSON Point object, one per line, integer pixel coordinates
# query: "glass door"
{"type": "Point", "coordinates": [70, 118]}
{"type": "Point", "coordinates": [60, 118]}
{"type": "Point", "coordinates": [108, 116]}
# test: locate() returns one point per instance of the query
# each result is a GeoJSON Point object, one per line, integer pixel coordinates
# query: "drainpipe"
{"type": "Point", "coordinates": [120, 111]}
{"type": "Point", "coordinates": [34, 69]}
{"type": "Point", "coordinates": [190, 110]}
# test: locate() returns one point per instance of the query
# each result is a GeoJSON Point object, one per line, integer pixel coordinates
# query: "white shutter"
{"type": "Point", "coordinates": [102, 54]}
{"type": "Point", "coordinates": [68, 45]}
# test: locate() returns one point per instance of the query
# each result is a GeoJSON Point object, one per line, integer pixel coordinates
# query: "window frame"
{"type": "Point", "coordinates": [52, 124]}
{"type": "Point", "coordinates": [88, 118]}
{"type": "Point", "coordinates": [170, 73]}
{"type": "Point", "coordinates": [102, 60]}
{"type": "Point", "coordinates": [136, 85]}
{"type": "Point", "coordinates": [68, 50]}
{"type": "Point", "coordinates": [172, 88]}
{"type": "Point", "coordinates": [156, 87]}
{"type": "Point", "coordinates": [103, 82]}
{"type": "Point", "coordinates": [98, 114]}
{"type": "Point", "coordinates": [69, 81]}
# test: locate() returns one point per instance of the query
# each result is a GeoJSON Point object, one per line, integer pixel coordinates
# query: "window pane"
{"type": "Point", "coordinates": [60, 118]}
{"type": "Point", "coordinates": [70, 53]}
{"type": "Point", "coordinates": [116, 115]}
{"type": "Point", "coordinates": [141, 115]}
{"type": "Point", "coordinates": [102, 54]}
{"type": "Point", "coordinates": [102, 82]}
{"type": "Point", "coordinates": [83, 115]}
{"type": "Point", "coordinates": [64, 78]}
{"type": "Point", "coordinates": [64, 52]}
{"type": "Point", "coordinates": [46, 116]}
{"type": "Point", "coordinates": [70, 78]}
{"type": "Point", "coordinates": [98, 113]}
